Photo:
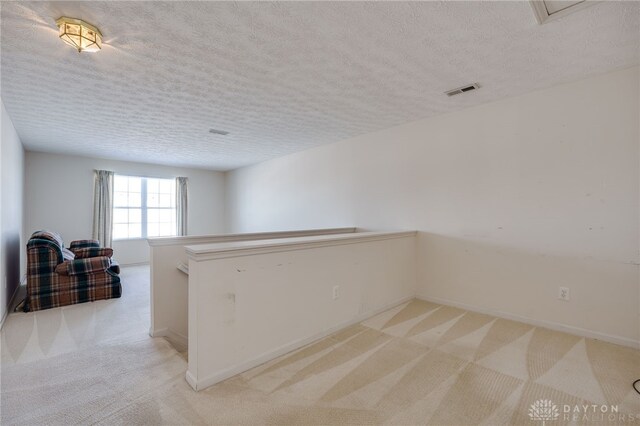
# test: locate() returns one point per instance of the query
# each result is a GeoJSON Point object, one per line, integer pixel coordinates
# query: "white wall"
{"type": "Point", "coordinates": [59, 196]}
{"type": "Point", "coordinates": [169, 285]}
{"type": "Point", "coordinates": [252, 301]}
{"type": "Point", "coordinates": [512, 200]}
{"type": "Point", "coordinates": [12, 251]}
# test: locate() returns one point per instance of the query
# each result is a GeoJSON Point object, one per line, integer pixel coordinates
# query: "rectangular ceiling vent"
{"type": "Point", "coordinates": [462, 89]}
{"type": "Point", "coordinates": [218, 132]}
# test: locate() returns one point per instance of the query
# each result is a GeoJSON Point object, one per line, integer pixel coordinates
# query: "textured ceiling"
{"type": "Point", "coordinates": [280, 77]}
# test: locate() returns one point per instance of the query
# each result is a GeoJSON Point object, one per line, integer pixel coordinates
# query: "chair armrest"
{"type": "Point", "coordinates": [42, 254]}
{"type": "Point", "coordinates": [88, 252]}
{"type": "Point", "coordinates": [78, 244]}
{"type": "Point", "coordinates": [84, 266]}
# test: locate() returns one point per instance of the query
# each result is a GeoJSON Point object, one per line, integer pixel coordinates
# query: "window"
{"type": "Point", "coordinates": [143, 207]}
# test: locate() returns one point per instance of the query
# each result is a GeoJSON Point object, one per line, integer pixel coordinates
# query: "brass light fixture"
{"type": "Point", "coordinates": [82, 36]}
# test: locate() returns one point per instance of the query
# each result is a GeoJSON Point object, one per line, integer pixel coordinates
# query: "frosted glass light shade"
{"type": "Point", "coordinates": [83, 36]}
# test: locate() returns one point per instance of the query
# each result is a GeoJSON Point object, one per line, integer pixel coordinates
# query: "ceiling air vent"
{"type": "Point", "coordinates": [218, 132]}
{"type": "Point", "coordinates": [462, 89]}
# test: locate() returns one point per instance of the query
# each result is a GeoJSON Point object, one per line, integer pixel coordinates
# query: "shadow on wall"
{"type": "Point", "coordinates": [11, 252]}
{"type": "Point", "coordinates": [604, 294]}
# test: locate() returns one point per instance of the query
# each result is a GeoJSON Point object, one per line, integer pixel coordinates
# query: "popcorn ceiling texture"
{"type": "Point", "coordinates": [280, 77]}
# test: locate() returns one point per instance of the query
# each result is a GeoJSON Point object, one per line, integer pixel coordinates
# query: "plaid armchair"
{"type": "Point", "coordinates": [57, 276]}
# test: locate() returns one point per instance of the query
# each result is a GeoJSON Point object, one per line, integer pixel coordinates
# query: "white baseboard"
{"type": "Point", "coordinates": [282, 350]}
{"type": "Point", "coordinates": [10, 305]}
{"type": "Point", "coordinates": [618, 340]}
{"type": "Point", "coordinates": [4, 317]}
{"type": "Point", "coordinates": [268, 356]}
{"type": "Point", "coordinates": [135, 264]}
{"type": "Point", "coordinates": [179, 341]}
{"type": "Point", "coordinates": [191, 380]}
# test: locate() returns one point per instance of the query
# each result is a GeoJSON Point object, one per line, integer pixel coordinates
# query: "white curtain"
{"type": "Point", "coordinates": [181, 205]}
{"type": "Point", "coordinates": [103, 207]}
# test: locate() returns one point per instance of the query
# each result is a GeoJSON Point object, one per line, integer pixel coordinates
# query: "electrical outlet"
{"type": "Point", "coordinates": [336, 292]}
{"type": "Point", "coordinates": [563, 293]}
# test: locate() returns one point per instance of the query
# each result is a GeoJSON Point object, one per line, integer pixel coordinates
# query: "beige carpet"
{"type": "Point", "coordinates": [418, 363]}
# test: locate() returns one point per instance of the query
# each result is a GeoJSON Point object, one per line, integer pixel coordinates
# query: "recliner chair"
{"type": "Point", "coordinates": [57, 276]}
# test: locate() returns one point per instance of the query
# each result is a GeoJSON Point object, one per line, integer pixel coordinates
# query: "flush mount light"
{"type": "Point", "coordinates": [83, 36]}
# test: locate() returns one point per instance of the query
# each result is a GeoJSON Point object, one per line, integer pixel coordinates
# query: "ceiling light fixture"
{"type": "Point", "coordinates": [83, 36]}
